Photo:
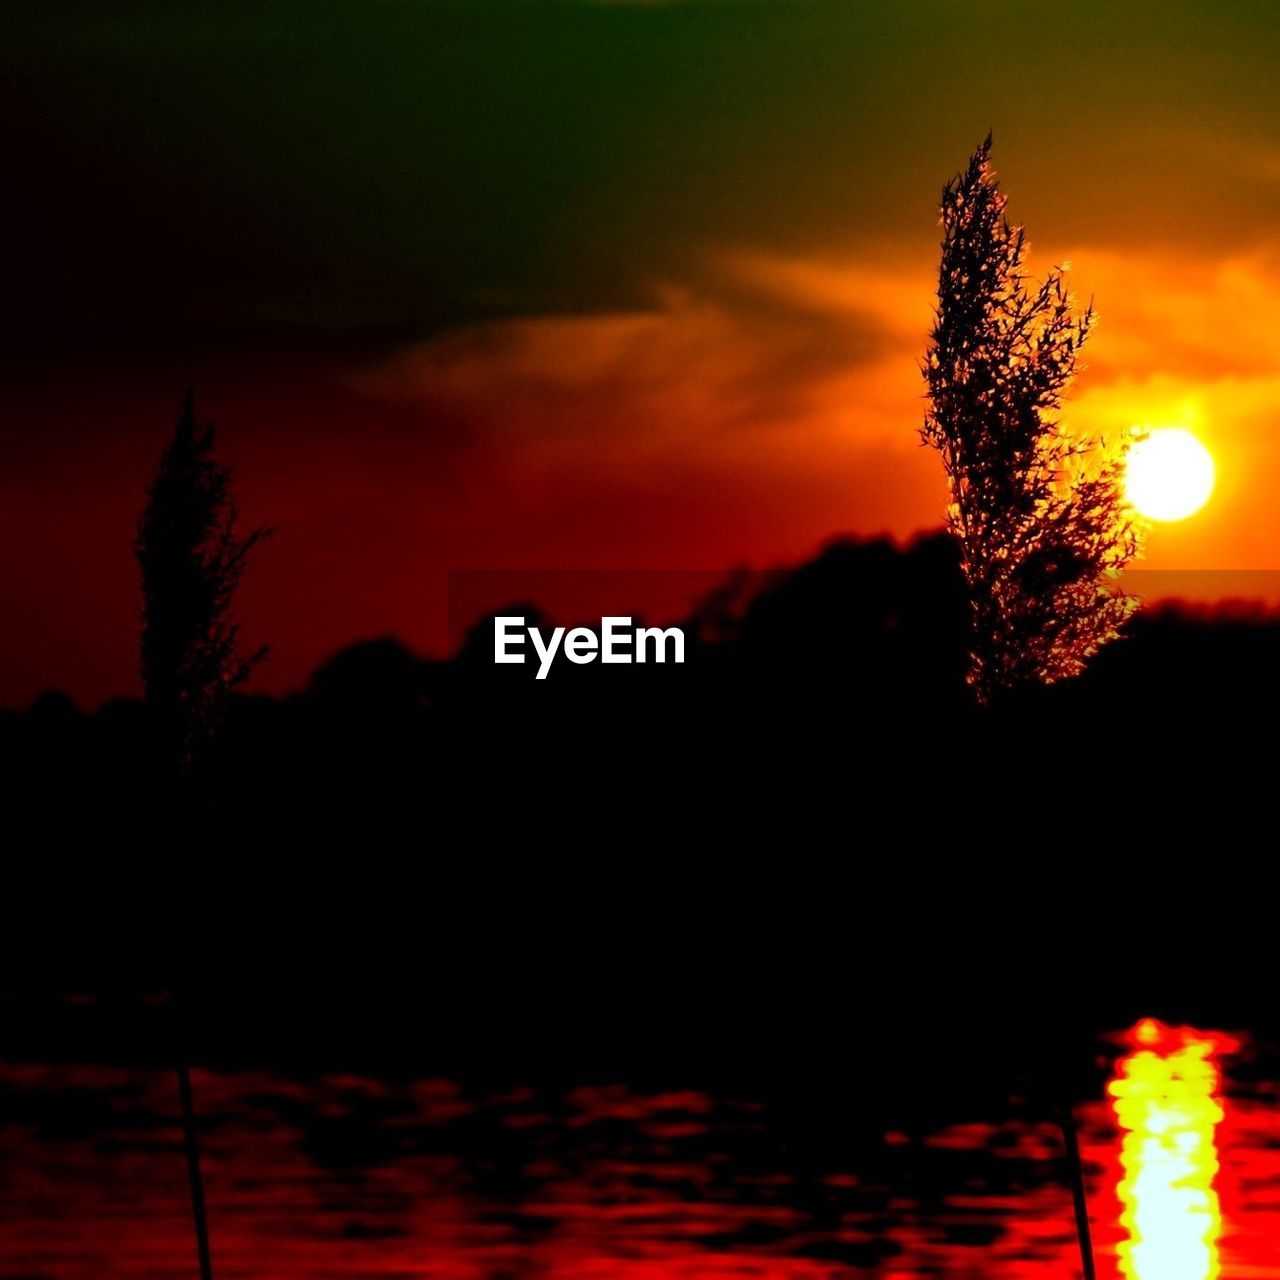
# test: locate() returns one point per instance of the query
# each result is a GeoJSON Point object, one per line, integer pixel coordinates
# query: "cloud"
{"type": "Point", "coordinates": [1199, 320]}
{"type": "Point", "coordinates": [762, 343]}
{"type": "Point", "coordinates": [392, 169]}
{"type": "Point", "coordinates": [797, 373]}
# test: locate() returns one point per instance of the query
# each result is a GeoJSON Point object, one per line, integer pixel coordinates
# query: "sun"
{"type": "Point", "coordinates": [1169, 475]}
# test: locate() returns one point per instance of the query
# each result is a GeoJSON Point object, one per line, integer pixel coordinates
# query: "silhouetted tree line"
{"type": "Point", "coordinates": [820, 739]}
{"type": "Point", "coordinates": [728, 857]}
{"type": "Point", "coordinates": [848, 669]}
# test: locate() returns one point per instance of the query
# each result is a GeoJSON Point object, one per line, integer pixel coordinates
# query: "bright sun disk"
{"type": "Point", "coordinates": [1169, 474]}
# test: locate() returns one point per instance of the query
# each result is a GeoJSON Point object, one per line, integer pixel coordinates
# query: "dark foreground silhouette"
{"type": "Point", "coordinates": [840, 682]}
{"type": "Point", "coordinates": [808, 827]}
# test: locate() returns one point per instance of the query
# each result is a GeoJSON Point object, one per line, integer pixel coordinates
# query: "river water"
{"type": "Point", "coordinates": [329, 1177]}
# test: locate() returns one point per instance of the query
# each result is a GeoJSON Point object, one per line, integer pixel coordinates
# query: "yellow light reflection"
{"type": "Point", "coordinates": [1165, 1097]}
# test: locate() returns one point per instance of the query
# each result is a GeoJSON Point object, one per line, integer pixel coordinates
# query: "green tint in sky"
{"type": "Point", "coordinates": [388, 166]}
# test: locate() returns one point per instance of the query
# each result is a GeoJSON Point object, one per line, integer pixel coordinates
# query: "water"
{"type": "Point", "coordinates": [345, 1176]}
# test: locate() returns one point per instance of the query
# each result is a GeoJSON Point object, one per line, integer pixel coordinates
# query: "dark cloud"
{"type": "Point", "coordinates": [181, 172]}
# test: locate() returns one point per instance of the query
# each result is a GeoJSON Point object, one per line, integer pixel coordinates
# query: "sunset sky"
{"type": "Point", "coordinates": [555, 285]}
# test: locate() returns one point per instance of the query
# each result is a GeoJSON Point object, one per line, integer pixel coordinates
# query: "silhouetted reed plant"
{"type": "Point", "coordinates": [1038, 508]}
{"type": "Point", "coordinates": [191, 562]}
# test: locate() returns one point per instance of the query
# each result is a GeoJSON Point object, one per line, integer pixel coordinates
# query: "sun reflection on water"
{"type": "Point", "coordinates": [1165, 1095]}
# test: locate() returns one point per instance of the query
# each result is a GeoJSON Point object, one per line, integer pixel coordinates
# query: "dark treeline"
{"type": "Point", "coordinates": [841, 682]}
{"type": "Point", "coordinates": [808, 824]}
{"type": "Point", "coordinates": [852, 664]}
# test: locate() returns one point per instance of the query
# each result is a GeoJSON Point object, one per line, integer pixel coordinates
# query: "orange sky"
{"type": "Point", "coordinates": [589, 285]}
{"type": "Point", "coordinates": [741, 423]}
{"type": "Point", "coordinates": [799, 379]}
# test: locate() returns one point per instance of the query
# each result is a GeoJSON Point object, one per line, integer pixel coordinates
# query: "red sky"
{"type": "Point", "coordinates": [628, 286]}
{"type": "Point", "coordinates": [689, 435]}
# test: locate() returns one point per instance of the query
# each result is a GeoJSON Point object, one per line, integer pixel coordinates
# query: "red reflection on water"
{"type": "Point", "coordinates": [346, 1177]}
